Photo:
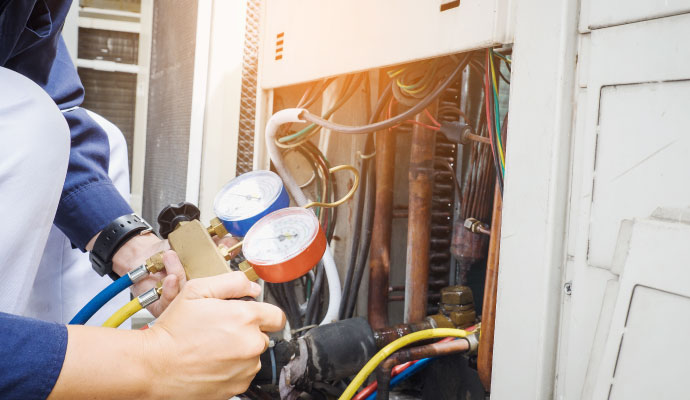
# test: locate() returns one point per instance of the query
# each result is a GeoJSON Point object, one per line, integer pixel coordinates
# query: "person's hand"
{"type": "Point", "coordinates": [204, 346]}
{"type": "Point", "coordinates": [135, 252]}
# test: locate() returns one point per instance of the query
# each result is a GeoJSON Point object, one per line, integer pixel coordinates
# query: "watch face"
{"type": "Point", "coordinates": [280, 236]}
{"type": "Point", "coordinates": [247, 195]}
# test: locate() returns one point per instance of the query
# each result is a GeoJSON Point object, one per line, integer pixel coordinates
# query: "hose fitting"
{"type": "Point", "coordinates": [138, 273]}
{"type": "Point", "coordinates": [149, 297]}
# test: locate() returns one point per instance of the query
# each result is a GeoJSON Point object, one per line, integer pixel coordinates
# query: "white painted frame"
{"type": "Point", "coordinates": [199, 88]}
{"type": "Point", "coordinates": [536, 200]}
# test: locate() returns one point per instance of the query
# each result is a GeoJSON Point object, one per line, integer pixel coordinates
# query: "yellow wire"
{"type": "Point", "coordinates": [392, 348]}
{"type": "Point", "coordinates": [349, 194]}
{"type": "Point", "coordinates": [493, 78]}
{"type": "Point", "coordinates": [123, 314]}
{"type": "Point", "coordinates": [393, 74]}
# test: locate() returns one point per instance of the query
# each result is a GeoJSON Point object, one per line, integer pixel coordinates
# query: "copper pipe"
{"type": "Point", "coordinates": [486, 342]}
{"type": "Point", "coordinates": [421, 178]}
{"type": "Point", "coordinates": [379, 258]}
{"type": "Point", "coordinates": [383, 372]}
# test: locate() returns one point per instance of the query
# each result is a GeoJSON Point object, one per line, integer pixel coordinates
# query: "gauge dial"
{"type": "Point", "coordinates": [285, 244]}
{"type": "Point", "coordinates": [247, 198]}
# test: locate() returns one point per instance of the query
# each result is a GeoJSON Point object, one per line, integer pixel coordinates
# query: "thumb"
{"type": "Point", "coordinates": [170, 289]}
{"type": "Point", "coordinates": [232, 285]}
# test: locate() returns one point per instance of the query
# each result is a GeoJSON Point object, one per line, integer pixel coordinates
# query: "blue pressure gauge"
{"type": "Point", "coordinates": [247, 198]}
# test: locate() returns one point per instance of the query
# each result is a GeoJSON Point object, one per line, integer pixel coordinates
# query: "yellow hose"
{"type": "Point", "coordinates": [123, 313]}
{"type": "Point", "coordinates": [392, 348]}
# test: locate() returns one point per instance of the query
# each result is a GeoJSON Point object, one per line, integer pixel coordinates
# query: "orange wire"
{"type": "Point", "coordinates": [433, 120]}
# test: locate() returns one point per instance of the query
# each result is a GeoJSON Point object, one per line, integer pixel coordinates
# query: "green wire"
{"type": "Point", "coordinates": [308, 288]}
{"type": "Point", "coordinates": [497, 115]}
{"type": "Point", "coordinates": [331, 111]}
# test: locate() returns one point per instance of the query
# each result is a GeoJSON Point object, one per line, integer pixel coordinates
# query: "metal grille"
{"type": "Point", "coordinates": [245, 142]}
{"type": "Point", "coordinates": [99, 44]}
{"type": "Point", "coordinates": [113, 96]}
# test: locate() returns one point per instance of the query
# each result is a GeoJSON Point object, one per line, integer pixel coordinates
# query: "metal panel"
{"type": "Point", "coordinates": [654, 347]}
{"type": "Point", "coordinates": [602, 14]}
{"type": "Point", "coordinates": [646, 351]}
{"type": "Point", "coordinates": [631, 80]}
{"type": "Point", "coordinates": [641, 143]}
{"type": "Point", "coordinates": [170, 104]}
{"type": "Point", "coordinates": [304, 40]}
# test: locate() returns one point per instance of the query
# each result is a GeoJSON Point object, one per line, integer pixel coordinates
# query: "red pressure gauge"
{"type": "Point", "coordinates": [284, 244]}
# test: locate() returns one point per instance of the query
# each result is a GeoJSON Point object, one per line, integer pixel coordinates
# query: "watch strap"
{"type": "Point", "coordinates": [112, 237]}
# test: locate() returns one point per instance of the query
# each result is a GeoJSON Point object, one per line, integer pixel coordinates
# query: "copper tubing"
{"type": "Point", "coordinates": [421, 179]}
{"type": "Point", "coordinates": [486, 342]}
{"type": "Point", "coordinates": [379, 258]}
{"type": "Point", "coordinates": [383, 372]}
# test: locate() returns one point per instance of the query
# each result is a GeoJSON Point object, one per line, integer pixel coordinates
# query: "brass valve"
{"type": "Point", "coordinates": [217, 228]}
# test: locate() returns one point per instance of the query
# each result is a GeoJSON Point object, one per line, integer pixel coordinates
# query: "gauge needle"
{"type": "Point", "coordinates": [279, 237]}
{"type": "Point", "coordinates": [246, 196]}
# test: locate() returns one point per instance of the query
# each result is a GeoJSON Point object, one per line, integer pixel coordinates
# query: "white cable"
{"type": "Point", "coordinates": [283, 117]}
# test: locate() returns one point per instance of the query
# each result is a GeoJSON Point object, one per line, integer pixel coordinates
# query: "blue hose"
{"type": "Point", "coordinates": [101, 298]}
{"type": "Point", "coordinates": [411, 370]}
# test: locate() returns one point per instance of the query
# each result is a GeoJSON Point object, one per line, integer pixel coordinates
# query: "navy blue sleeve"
{"type": "Point", "coordinates": [31, 356]}
{"type": "Point", "coordinates": [89, 200]}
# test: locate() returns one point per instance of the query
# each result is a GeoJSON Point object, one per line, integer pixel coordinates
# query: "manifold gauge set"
{"type": "Point", "coordinates": [281, 243]}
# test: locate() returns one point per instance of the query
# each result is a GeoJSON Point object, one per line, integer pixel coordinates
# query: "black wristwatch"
{"type": "Point", "coordinates": [112, 237]}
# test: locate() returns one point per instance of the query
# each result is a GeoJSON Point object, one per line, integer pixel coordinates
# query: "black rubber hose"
{"type": "Point", "coordinates": [310, 315]}
{"type": "Point", "coordinates": [363, 254]}
{"type": "Point", "coordinates": [359, 207]}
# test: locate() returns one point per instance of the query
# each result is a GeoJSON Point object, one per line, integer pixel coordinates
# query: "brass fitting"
{"type": "Point", "coordinates": [248, 271]}
{"type": "Point", "coordinates": [155, 263]}
{"type": "Point", "coordinates": [457, 295]}
{"type": "Point", "coordinates": [456, 309]}
{"type": "Point", "coordinates": [476, 226]}
{"type": "Point", "coordinates": [225, 252]}
{"type": "Point", "coordinates": [217, 228]}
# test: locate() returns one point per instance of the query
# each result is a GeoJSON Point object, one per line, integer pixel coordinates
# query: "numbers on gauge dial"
{"type": "Point", "coordinates": [279, 239]}
{"type": "Point", "coordinates": [247, 196]}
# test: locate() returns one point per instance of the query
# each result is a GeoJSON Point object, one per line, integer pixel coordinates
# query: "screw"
{"type": "Point", "coordinates": [568, 287]}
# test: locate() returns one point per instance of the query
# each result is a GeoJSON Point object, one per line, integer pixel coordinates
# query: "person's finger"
{"type": "Point", "coordinates": [173, 266]}
{"type": "Point", "coordinates": [269, 317]}
{"type": "Point", "coordinates": [170, 288]}
{"type": "Point", "coordinates": [232, 285]}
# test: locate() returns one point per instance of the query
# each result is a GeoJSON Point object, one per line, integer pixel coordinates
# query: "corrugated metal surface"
{"type": "Point", "coordinates": [99, 44]}
{"type": "Point", "coordinates": [245, 143]}
{"type": "Point", "coordinates": [170, 103]}
{"type": "Point", "coordinates": [112, 95]}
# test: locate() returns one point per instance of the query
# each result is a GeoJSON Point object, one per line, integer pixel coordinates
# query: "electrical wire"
{"type": "Point", "coordinates": [358, 130]}
{"type": "Point", "coordinates": [101, 299]}
{"type": "Point", "coordinates": [364, 217]}
{"type": "Point", "coordinates": [347, 91]}
{"type": "Point", "coordinates": [404, 374]}
{"type": "Point", "coordinates": [371, 389]}
{"type": "Point", "coordinates": [391, 348]}
{"type": "Point", "coordinates": [489, 125]}
{"type": "Point", "coordinates": [287, 116]}
{"type": "Point", "coordinates": [497, 113]}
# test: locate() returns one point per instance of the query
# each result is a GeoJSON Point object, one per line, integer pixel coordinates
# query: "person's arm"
{"type": "Point", "coordinates": [200, 347]}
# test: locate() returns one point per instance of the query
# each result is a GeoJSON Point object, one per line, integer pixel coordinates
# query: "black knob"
{"type": "Point", "coordinates": [170, 216]}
